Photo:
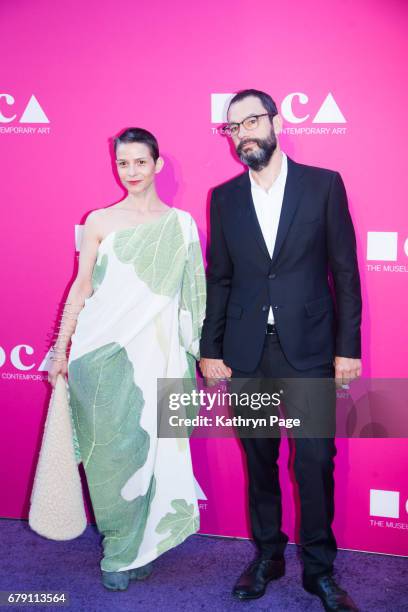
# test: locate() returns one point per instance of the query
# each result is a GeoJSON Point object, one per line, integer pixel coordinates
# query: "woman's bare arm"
{"type": "Point", "coordinates": [80, 289]}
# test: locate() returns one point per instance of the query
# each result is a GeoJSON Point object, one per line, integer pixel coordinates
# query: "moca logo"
{"type": "Point", "coordinates": [20, 358]}
{"type": "Point", "coordinates": [328, 112]}
{"type": "Point", "coordinates": [33, 113]}
{"type": "Point", "coordinates": [383, 246]}
{"type": "Point", "coordinates": [199, 491]}
{"type": "Point", "coordinates": [384, 503]}
{"type": "Point", "coordinates": [387, 505]}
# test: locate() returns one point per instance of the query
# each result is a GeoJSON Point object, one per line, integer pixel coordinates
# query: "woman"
{"type": "Point", "coordinates": [133, 314]}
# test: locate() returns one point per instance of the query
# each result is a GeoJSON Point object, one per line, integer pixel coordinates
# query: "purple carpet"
{"type": "Point", "coordinates": [198, 575]}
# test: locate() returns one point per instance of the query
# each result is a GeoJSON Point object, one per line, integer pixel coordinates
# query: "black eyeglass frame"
{"type": "Point", "coordinates": [225, 129]}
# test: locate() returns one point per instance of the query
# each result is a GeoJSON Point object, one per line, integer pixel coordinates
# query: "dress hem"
{"type": "Point", "coordinates": [148, 557]}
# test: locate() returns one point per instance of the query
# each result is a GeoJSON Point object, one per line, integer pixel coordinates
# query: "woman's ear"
{"type": "Point", "coordinates": [159, 165]}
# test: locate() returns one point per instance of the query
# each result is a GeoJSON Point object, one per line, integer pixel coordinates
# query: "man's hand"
{"type": "Point", "coordinates": [214, 370]}
{"type": "Point", "coordinates": [346, 369]}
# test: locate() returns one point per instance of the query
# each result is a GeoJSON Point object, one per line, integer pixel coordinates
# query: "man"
{"type": "Point", "coordinates": [276, 231]}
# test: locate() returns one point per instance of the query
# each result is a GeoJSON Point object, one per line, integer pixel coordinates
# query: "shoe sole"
{"type": "Point", "coordinates": [134, 577]}
{"type": "Point", "coordinates": [143, 577]}
{"type": "Point", "coordinates": [317, 595]}
{"type": "Point", "coordinates": [115, 588]}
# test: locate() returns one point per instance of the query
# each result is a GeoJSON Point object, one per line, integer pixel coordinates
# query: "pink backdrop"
{"type": "Point", "coordinates": [97, 67]}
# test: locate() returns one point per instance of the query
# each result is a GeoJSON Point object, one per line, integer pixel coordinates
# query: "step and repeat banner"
{"type": "Point", "coordinates": [74, 74]}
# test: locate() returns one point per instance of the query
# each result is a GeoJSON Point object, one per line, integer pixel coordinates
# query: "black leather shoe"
{"type": "Point", "coordinates": [331, 595]}
{"type": "Point", "coordinates": [253, 581]}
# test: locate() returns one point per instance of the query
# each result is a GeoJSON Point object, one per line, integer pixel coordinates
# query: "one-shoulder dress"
{"type": "Point", "coordinates": [142, 322]}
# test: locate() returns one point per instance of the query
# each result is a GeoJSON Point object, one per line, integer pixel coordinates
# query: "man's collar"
{"type": "Point", "coordinates": [281, 176]}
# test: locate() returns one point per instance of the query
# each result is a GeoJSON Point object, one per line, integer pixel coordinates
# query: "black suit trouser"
{"type": "Point", "coordinates": [313, 467]}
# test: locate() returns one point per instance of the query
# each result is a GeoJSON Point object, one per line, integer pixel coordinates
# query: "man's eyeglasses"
{"type": "Point", "coordinates": [249, 123]}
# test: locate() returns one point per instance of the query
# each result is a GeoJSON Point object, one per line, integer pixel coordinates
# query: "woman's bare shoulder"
{"type": "Point", "coordinates": [97, 218]}
{"type": "Point", "coordinates": [99, 214]}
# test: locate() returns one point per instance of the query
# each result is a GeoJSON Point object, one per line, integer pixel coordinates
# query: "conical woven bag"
{"type": "Point", "coordinates": [57, 507]}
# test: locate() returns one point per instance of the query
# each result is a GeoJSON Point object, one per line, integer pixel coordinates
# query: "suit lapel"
{"type": "Point", "coordinates": [247, 211]}
{"type": "Point", "coordinates": [291, 198]}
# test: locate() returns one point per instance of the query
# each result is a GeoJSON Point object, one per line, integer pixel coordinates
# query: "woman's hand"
{"type": "Point", "coordinates": [59, 366]}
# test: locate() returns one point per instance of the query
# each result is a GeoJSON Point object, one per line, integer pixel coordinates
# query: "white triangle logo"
{"type": "Point", "coordinates": [34, 113]}
{"type": "Point", "coordinates": [46, 363]}
{"type": "Point", "coordinates": [199, 492]}
{"type": "Point", "coordinates": [329, 112]}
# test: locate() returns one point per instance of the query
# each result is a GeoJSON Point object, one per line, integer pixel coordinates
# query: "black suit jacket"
{"type": "Point", "coordinates": [315, 236]}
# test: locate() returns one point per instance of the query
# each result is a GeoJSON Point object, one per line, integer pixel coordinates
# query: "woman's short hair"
{"type": "Point", "coordinates": [138, 135]}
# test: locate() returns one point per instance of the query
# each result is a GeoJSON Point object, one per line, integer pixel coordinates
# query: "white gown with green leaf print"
{"type": "Point", "coordinates": [142, 322]}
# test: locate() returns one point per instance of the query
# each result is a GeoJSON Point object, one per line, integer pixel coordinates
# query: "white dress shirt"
{"type": "Point", "coordinates": [268, 206]}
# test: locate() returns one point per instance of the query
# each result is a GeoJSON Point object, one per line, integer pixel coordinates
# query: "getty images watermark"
{"type": "Point", "coordinates": [211, 401]}
{"type": "Point", "coordinates": [295, 407]}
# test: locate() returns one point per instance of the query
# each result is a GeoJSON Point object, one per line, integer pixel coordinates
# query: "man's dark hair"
{"type": "Point", "coordinates": [266, 100]}
{"type": "Point", "coordinates": [138, 135]}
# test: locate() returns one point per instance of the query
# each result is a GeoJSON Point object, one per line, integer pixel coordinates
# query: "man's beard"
{"type": "Point", "coordinates": [258, 159]}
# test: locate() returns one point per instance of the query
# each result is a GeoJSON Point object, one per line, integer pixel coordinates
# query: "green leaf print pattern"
{"type": "Point", "coordinates": [106, 408]}
{"type": "Point", "coordinates": [193, 292]}
{"type": "Point", "coordinates": [192, 300]}
{"type": "Point", "coordinates": [189, 384]}
{"type": "Point", "coordinates": [99, 272]}
{"type": "Point", "coordinates": [181, 523]}
{"type": "Point", "coordinates": [156, 251]}
{"type": "Point", "coordinates": [77, 452]}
